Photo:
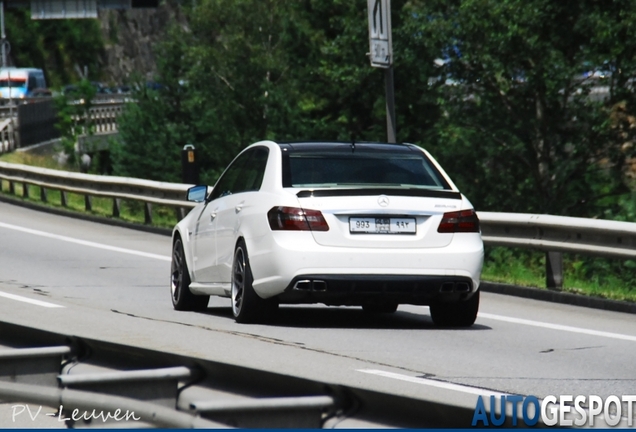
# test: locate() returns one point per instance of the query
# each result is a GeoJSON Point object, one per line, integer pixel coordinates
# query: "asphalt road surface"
{"type": "Point", "coordinates": [110, 283]}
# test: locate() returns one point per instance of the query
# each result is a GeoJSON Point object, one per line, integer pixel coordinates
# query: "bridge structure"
{"type": "Point", "coordinates": [31, 121]}
{"type": "Point", "coordinates": [75, 9]}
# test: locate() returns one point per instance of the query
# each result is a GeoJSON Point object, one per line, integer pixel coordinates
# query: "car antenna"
{"type": "Point", "coordinates": [353, 143]}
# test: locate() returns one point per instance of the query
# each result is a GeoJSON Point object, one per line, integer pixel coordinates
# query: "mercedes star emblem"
{"type": "Point", "coordinates": [383, 200]}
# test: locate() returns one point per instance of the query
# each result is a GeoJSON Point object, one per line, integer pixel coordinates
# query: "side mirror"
{"type": "Point", "coordinates": [197, 193]}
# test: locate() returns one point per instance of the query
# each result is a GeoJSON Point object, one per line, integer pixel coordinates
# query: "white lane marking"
{"type": "Point", "coordinates": [433, 383]}
{"type": "Point", "coordinates": [28, 300]}
{"type": "Point", "coordinates": [84, 242]}
{"type": "Point", "coordinates": [557, 327]}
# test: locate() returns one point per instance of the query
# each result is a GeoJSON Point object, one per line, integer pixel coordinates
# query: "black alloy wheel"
{"type": "Point", "coordinates": [182, 297]}
{"type": "Point", "coordinates": [247, 306]}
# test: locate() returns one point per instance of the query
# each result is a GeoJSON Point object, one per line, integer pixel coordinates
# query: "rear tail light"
{"type": "Point", "coordinates": [459, 221]}
{"type": "Point", "coordinates": [296, 219]}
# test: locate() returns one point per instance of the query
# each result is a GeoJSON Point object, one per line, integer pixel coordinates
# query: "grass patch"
{"type": "Point", "coordinates": [613, 279]}
{"type": "Point", "coordinates": [26, 158]}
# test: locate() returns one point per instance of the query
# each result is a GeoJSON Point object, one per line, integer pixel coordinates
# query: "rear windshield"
{"type": "Point", "coordinates": [324, 169]}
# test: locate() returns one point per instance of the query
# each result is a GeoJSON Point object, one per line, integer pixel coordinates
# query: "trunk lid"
{"type": "Point", "coordinates": [368, 218]}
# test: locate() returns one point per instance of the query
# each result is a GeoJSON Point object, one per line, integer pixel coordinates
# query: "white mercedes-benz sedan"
{"type": "Point", "coordinates": [356, 224]}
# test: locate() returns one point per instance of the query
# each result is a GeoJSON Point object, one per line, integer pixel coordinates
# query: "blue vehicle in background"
{"type": "Point", "coordinates": [19, 83]}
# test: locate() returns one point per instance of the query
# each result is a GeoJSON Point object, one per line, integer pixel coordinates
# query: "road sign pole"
{"type": "Point", "coordinates": [390, 105]}
{"type": "Point", "coordinates": [381, 56]}
{"type": "Point", "coordinates": [4, 36]}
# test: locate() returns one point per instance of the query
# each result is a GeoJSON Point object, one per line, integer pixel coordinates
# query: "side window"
{"type": "Point", "coordinates": [245, 174]}
{"type": "Point", "coordinates": [254, 171]}
{"type": "Point", "coordinates": [231, 178]}
{"type": "Point", "coordinates": [32, 84]}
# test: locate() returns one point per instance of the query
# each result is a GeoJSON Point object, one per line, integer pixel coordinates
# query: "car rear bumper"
{"type": "Point", "coordinates": [358, 289]}
{"type": "Point", "coordinates": [281, 260]}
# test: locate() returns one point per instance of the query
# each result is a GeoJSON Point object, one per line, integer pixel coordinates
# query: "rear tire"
{"type": "Point", "coordinates": [247, 306]}
{"type": "Point", "coordinates": [182, 297]}
{"type": "Point", "coordinates": [456, 314]}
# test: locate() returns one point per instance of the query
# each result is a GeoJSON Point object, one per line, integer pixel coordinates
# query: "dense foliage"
{"type": "Point", "coordinates": [59, 47]}
{"type": "Point", "coordinates": [527, 104]}
{"type": "Point", "coordinates": [523, 118]}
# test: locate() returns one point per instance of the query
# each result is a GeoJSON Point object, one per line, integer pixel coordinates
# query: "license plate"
{"type": "Point", "coordinates": [374, 225]}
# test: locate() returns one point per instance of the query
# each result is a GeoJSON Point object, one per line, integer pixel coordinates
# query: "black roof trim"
{"type": "Point", "coordinates": [345, 146]}
{"type": "Point", "coordinates": [429, 193]}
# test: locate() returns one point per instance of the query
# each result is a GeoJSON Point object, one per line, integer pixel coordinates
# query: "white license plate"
{"type": "Point", "coordinates": [378, 225]}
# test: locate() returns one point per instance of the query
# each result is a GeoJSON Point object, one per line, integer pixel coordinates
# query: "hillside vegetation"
{"type": "Point", "coordinates": [60, 47]}
{"type": "Point", "coordinates": [513, 112]}
{"type": "Point", "coordinates": [528, 104]}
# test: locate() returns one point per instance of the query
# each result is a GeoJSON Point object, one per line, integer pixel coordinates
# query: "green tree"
{"type": "Point", "coordinates": [514, 112]}
{"type": "Point", "coordinates": [255, 70]}
{"type": "Point", "coordinates": [73, 110]}
{"type": "Point", "coordinates": [58, 47]}
{"type": "Point", "coordinates": [520, 121]}
{"type": "Point", "coordinates": [159, 123]}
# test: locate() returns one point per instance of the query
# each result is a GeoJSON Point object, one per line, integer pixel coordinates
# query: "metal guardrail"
{"type": "Point", "coordinates": [552, 234]}
{"type": "Point", "coordinates": [89, 185]}
{"type": "Point", "coordinates": [558, 234]}
{"type": "Point", "coordinates": [89, 406]}
{"type": "Point", "coordinates": [549, 233]}
{"type": "Point", "coordinates": [101, 384]}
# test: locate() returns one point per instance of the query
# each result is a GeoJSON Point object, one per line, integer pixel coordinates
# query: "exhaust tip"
{"type": "Point", "coordinates": [310, 285]}
{"type": "Point", "coordinates": [319, 285]}
{"type": "Point", "coordinates": [447, 287]}
{"type": "Point", "coordinates": [303, 285]}
{"type": "Point", "coordinates": [462, 287]}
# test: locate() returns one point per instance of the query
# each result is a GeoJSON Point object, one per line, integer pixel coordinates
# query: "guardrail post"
{"type": "Point", "coordinates": [180, 213]}
{"type": "Point", "coordinates": [554, 270]}
{"type": "Point", "coordinates": [148, 213]}
{"type": "Point", "coordinates": [43, 196]}
{"type": "Point", "coordinates": [11, 188]}
{"type": "Point", "coordinates": [25, 190]}
{"type": "Point", "coordinates": [63, 198]}
{"type": "Point", "coordinates": [88, 203]}
{"type": "Point", "coordinates": [116, 207]}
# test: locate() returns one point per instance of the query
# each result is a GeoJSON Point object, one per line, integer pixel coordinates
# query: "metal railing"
{"type": "Point", "coordinates": [558, 234]}
{"type": "Point", "coordinates": [549, 233]}
{"type": "Point", "coordinates": [103, 114]}
{"type": "Point", "coordinates": [99, 98]}
{"type": "Point", "coordinates": [89, 185]}
{"type": "Point", "coordinates": [103, 384]}
{"type": "Point", "coordinates": [552, 234]}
